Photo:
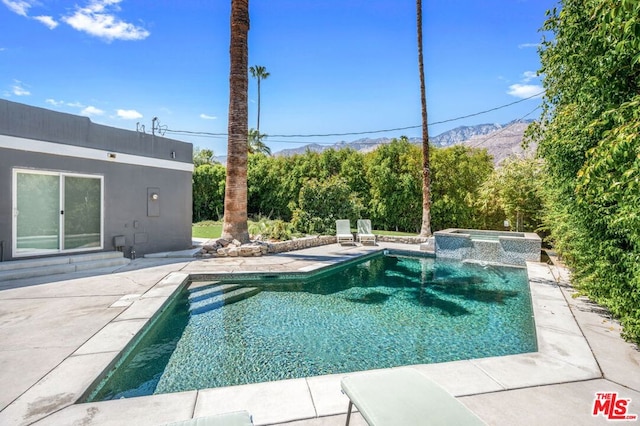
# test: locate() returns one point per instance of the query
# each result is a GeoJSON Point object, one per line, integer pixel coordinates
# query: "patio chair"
{"type": "Point", "coordinates": [364, 232]}
{"type": "Point", "coordinates": [403, 396]}
{"type": "Point", "coordinates": [343, 231]}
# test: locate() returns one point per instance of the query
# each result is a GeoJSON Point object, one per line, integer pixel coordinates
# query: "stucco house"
{"type": "Point", "coordinates": [68, 185]}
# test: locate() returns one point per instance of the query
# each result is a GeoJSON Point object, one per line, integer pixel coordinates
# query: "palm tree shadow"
{"type": "Point", "coordinates": [371, 298]}
{"type": "Point", "coordinates": [446, 307]}
{"type": "Point", "coordinates": [475, 293]}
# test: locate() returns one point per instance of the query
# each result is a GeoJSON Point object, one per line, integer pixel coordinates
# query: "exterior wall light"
{"type": "Point", "coordinates": [154, 196]}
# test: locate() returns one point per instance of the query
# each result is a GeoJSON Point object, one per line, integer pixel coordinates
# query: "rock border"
{"type": "Point", "coordinates": [225, 248]}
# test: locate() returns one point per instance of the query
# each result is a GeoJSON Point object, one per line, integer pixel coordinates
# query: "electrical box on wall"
{"type": "Point", "coordinates": [153, 202]}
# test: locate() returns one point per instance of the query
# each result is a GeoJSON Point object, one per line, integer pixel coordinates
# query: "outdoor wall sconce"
{"type": "Point", "coordinates": [153, 203]}
{"type": "Point", "coordinates": [173, 154]}
{"type": "Point", "coordinates": [111, 156]}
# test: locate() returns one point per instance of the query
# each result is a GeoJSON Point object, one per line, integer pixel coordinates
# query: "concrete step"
{"type": "Point", "coordinates": [215, 302]}
{"type": "Point", "coordinates": [101, 263]}
{"type": "Point", "coordinates": [30, 268]}
{"type": "Point", "coordinates": [58, 260]}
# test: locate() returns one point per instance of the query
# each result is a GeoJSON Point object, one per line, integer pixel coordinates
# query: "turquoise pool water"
{"type": "Point", "coordinates": [382, 312]}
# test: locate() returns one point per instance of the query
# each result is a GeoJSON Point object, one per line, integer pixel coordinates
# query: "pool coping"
{"type": "Point", "coordinates": [563, 356]}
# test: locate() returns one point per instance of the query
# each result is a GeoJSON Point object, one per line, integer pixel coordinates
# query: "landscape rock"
{"type": "Point", "coordinates": [222, 242]}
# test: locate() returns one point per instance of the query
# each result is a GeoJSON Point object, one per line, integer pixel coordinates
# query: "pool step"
{"type": "Point", "coordinates": [206, 292]}
{"type": "Point", "coordinates": [224, 298]}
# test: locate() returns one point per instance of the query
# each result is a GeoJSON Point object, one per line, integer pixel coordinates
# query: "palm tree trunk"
{"type": "Point", "coordinates": [235, 196]}
{"type": "Point", "coordinates": [258, 124]}
{"type": "Point", "coordinates": [425, 231]}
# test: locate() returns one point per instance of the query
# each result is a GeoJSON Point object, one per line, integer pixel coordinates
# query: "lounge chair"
{"type": "Point", "coordinates": [403, 396]}
{"type": "Point", "coordinates": [343, 231]}
{"type": "Point", "coordinates": [364, 232]}
{"type": "Point", "coordinates": [237, 418]}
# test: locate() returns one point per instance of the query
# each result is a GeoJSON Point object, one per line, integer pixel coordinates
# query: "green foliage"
{"type": "Point", "coordinates": [384, 185]}
{"type": "Point", "coordinates": [513, 191]}
{"type": "Point", "coordinates": [321, 203]}
{"type": "Point", "coordinates": [208, 192]}
{"type": "Point", "coordinates": [280, 230]}
{"type": "Point", "coordinates": [270, 229]}
{"type": "Point", "coordinates": [387, 182]}
{"type": "Point", "coordinates": [395, 178]}
{"type": "Point", "coordinates": [256, 144]}
{"type": "Point", "coordinates": [589, 136]}
{"type": "Point", "coordinates": [457, 173]}
{"type": "Point", "coordinates": [267, 193]}
{"type": "Point", "coordinates": [202, 156]}
{"type": "Point", "coordinates": [274, 183]}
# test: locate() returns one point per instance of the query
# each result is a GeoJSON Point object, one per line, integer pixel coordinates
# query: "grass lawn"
{"type": "Point", "coordinates": [211, 229]}
{"type": "Point", "coordinates": [207, 229]}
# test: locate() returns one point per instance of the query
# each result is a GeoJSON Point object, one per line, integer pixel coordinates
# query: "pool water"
{"type": "Point", "coordinates": [382, 312]}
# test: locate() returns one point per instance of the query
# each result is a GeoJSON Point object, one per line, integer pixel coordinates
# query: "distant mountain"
{"type": "Point", "coordinates": [500, 140]}
{"type": "Point", "coordinates": [362, 145]}
{"type": "Point", "coordinates": [502, 143]}
{"type": "Point", "coordinates": [463, 133]}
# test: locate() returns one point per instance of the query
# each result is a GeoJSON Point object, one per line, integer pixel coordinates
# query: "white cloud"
{"type": "Point", "coordinates": [129, 114]}
{"type": "Point", "coordinates": [528, 45]}
{"type": "Point", "coordinates": [91, 110]}
{"type": "Point", "coordinates": [18, 89]}
{"type": "Point", "coordinates": [61, 103]}
{"type": "Point", "coordinates": [527, 76]}
{"type": "Point", "coordinates": [47, 21]}
{"type": "Point", "coordinates": [525, 90]}
{"type": "Point", "coordinates": [20, 7]}
{"type": "Point", "coordinates": [54, 102]}
{"type": "Point", "coordinates": [97, 19]}
{"type": "Point", "coordinates": [208, 117]}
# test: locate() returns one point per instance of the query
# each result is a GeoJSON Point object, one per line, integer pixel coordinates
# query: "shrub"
{"type": "Point", "coordinates": [320, 204]}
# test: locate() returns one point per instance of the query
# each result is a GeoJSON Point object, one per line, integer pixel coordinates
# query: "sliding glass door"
{"type": "Point", "coordinates": [37, 213]}
{"type": "Point", "coordinates": [56, 212]}
{"type": "Point", "coordinates": [82, 212]}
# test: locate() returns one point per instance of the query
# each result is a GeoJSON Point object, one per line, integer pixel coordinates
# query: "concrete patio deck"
{"type": "Point", "coordinates": [59, 333]}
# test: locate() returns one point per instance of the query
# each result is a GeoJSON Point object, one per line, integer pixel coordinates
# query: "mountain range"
{"type": "Point", "coordinates": [500, 140]}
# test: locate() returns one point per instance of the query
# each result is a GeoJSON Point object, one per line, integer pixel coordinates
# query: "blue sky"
{"type": "Point", "coordinates": [336, 66]}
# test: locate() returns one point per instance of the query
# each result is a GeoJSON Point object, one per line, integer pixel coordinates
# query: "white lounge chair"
{"type": "Point", "coordinates": [364, 232]}
{"type": "Point", "coordinates": [403, 396]}
{"type": "Point", "coordinates": [343, 231]}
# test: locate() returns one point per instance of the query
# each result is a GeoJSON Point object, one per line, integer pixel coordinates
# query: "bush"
{"type": "Point", "coordinates": [208, 192]}
{"type": "Point", "coordinates": [271, 229]}
{"type": "Point", "coordinates": [320, 204]}
{"type": "Point", "coordinates": [589, 137]}
{"type": "Point", "coordinates": [514, 192]}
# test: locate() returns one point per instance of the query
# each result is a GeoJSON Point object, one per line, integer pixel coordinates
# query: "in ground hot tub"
{"type": "Point", "coordinates": [509, 248]}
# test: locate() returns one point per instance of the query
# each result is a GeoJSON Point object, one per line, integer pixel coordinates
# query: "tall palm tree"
{"type": "Point", "coordinates": [425, 229]}
{"type": "Point", "coordinates": [235, 195]}
{"type": "Point", "coordinates": [259, 73]}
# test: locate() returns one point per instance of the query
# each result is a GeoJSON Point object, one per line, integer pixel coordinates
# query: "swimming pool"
{"type": "Point", "coordinates": [384, 311]}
